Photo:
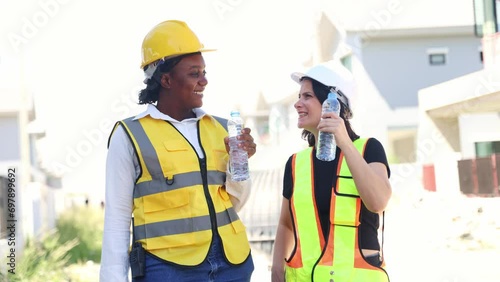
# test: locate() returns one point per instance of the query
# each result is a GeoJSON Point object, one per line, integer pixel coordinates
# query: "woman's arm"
{"type": "Point", "coordinates": [371, 179]}
{"type": "Point", "coordinates": [239, 192]}
{"type": "Point", "coordinates": [283, 243]}
{"type": "Point", "coordinates": [120, 179]}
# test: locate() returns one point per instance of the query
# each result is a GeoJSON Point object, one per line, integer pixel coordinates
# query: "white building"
{"type": "Point", "coordinates": [460, 119]}
{"type": "Point", "coordinates": [406, 46]}
{"type": "Point", "coordinates": [459, 136]}
{"type": "Point", "coordinates": [28, 194]}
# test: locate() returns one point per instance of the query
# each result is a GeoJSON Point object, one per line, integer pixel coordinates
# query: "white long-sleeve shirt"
{"type": "Point", "coordinates": [122, 169]}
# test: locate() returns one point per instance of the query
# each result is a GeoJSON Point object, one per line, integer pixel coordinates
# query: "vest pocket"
{"type": "Point", "coordinates": [176, 145]}
{"type": "Point", "coordinates": [168, 220]}
{"type": "Point", "coordinates": [220, 159]}
{"type": "Point", "coordinates": [346, 186]}
{"type": "Point", "coordinates": [238, 226]}
{"type": "Point", "coordinates": [166, 201]}
{"type": "Point", "coordinates": [345, 211]}
{"type": "Point", "coordinates": [172, 241]}
{"type": "Point", "coordinates": [236, 223]}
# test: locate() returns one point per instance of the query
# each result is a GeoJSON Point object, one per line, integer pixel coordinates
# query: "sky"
{"type": "Point", "coordinates": [80, 62]}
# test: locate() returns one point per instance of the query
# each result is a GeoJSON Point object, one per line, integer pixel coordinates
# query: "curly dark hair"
{"type": "Point", "coordinates": [321, 91]}
{"type": "Point", "coordinates": [149, 95]}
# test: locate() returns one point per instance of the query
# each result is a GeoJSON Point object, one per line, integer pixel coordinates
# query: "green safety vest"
{"type": "Point", "coordinates": [338, 259]}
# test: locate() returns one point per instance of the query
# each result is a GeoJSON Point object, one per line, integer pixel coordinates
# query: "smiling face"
{"type": "Point", "coordinates": [308, 108]}
{"type": "Point", "coordinates": [185, 84]}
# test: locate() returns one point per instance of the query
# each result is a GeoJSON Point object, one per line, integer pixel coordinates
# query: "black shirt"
{"type": "Point", "coordinates": [325, 179]}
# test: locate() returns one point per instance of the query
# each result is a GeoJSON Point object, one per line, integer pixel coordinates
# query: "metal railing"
{"type": "Point", "coordinates": [480, 176]}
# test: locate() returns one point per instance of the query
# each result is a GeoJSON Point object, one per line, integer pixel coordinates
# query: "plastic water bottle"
{"type": "Point", "coordinates": [326, 145]}
{"type": "Point", "coordinates": [238, 158]}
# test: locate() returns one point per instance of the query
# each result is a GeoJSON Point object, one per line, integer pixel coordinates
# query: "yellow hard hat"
{"type": "Point", "coordinates": [167, 39]}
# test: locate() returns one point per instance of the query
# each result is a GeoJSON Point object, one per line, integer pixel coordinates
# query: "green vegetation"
{"type": "Point", "coordinates": [42, 260]}
{"type": "Point", "coordinates": [62, 254]}
{"type": "Point", "coordinates": [86, 224]}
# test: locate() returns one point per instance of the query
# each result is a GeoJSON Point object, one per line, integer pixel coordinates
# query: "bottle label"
{"type": "Point", "coordinates": [234, 130]}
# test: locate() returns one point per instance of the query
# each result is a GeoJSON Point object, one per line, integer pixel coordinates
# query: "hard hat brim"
{"type": "Point", "coordinates": [203, 50]}
{"type": "Point", "coordinates": [297, 76]}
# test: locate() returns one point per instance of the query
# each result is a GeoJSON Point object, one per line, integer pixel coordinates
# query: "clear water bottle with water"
{"type": "Point", "coordinates": [326, 145]}
{"type": "Point", "coordinates": [238, 158]}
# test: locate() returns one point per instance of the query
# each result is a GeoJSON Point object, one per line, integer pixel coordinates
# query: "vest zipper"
{"type": "Point", "coordinates": [210, 203]}
{"type": "Point", "coordinates": [322, 253]}
{"type": "Point", "coordinates": [204, 176]}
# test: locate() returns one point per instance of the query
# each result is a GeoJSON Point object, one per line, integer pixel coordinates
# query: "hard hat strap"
{"type": "Point", "coordinates": [342, 98]}
{"type": "Point", "coordinates": [150, 69]}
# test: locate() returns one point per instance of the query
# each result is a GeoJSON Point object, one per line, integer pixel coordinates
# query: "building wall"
{"type": "Point", "coordinates": [370, 111]}
{"type": "Point", "coordinates": [478, 128]}
{"type": "Point", "coordinates": [403, 147]}
{"type": "Point", "coordinates": [453, 116]}
{"type": "Point", "coordinates": [400, 67]}
{"type": "Point", "coordinates": [9, 143]}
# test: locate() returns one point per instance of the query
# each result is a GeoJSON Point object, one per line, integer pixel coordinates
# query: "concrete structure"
{"type": "Point", "coordinates": [407, 56]}
{"type": "Point", "coordinates": [454, 116]}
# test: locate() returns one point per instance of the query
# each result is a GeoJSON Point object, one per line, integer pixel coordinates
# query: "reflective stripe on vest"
{"type": "Point", "coordinates": [172, 218]}
{"type": "Point", "coordinates": [340, 260]}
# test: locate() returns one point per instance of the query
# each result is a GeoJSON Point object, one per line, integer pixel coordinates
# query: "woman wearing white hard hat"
{"type": "Point", "coordinates": [328, 227]}
{"type": "Point", "coordinates": [167, 168]}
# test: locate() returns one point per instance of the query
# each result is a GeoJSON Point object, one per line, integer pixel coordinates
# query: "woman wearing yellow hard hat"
{"type": "Point", "coordinates": [167, 168]}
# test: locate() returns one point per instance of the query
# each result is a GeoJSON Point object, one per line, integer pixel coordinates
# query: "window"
{"type": "Point", "coordinates": [437, 56]}
{"type": "Point", "coordinates": [437, 59]}
{"type": "Point", "coordinates": [486, 149]}
{"type": "Point", "coordinates": [486, 20]}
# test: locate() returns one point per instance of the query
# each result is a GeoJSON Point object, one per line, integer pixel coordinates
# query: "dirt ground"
{"type": "Point", "coordinates": [442, 238]}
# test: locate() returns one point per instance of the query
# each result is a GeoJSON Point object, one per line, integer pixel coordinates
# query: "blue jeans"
{"type": "Point", "coordinates": [214, 269]}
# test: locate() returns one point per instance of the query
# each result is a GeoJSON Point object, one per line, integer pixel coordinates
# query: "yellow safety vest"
{"type": "Point", "coordinates": [339, 259]}
{"type": "Point", "coordinates": [180, 199]}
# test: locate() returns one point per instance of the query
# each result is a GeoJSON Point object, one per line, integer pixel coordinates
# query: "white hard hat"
{"type": "Point", "coordinates": [332, 74]}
